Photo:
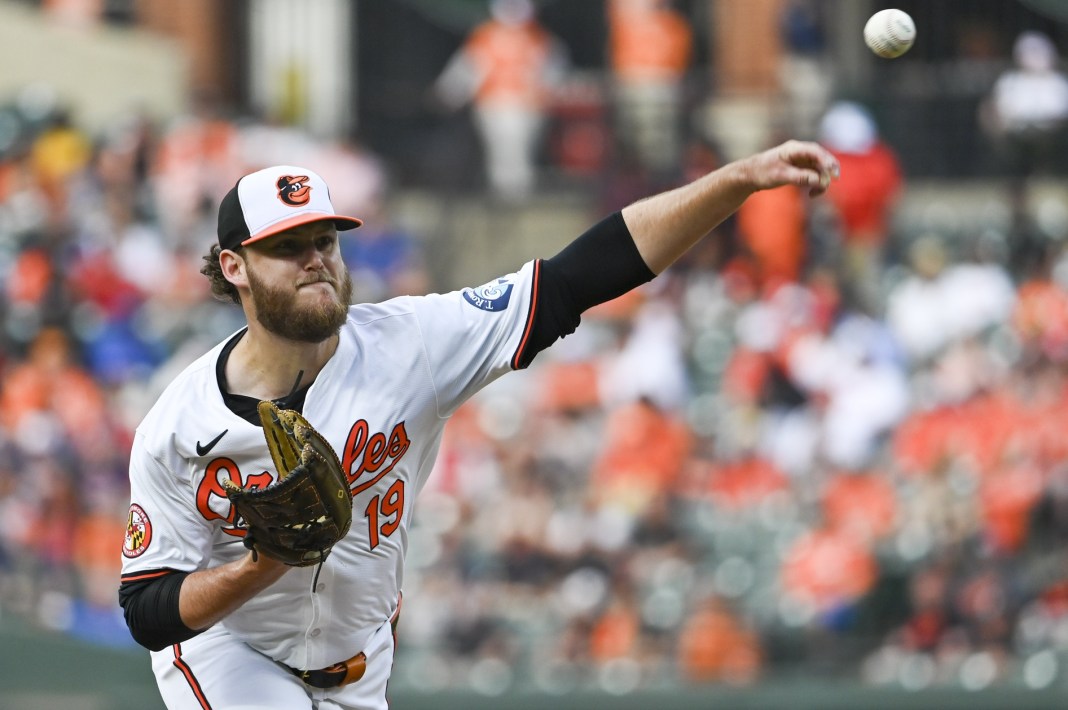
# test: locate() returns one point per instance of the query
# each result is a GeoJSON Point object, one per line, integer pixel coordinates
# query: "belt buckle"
{"type": "Point", "coordinates": [338, 675]}
{"type": "Point", "coordinates": [354, 667]}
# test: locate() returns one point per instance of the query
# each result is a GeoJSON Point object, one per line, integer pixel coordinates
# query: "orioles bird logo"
{"type": "Point", "coordinates": [294, 190]}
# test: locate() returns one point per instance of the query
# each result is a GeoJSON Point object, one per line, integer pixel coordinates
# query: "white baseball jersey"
{"type": "Point", "coordinates": [400, 370]}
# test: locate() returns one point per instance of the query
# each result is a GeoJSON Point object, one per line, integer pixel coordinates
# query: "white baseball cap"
{"type": "Point", "coordinates": [848, 127]}
{"type": "Point", "coordinates": [273, 200]}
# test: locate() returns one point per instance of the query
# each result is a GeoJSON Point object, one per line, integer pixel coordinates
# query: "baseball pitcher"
{"type": "Point", "coordinates": [272, 484]}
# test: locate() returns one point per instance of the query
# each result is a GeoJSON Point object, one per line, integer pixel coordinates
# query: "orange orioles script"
{"type": "Point", "coordinates": [366, 459]}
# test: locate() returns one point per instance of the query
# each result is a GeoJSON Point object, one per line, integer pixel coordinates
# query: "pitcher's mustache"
{"type": "Point", "coordinates": [319, 279]}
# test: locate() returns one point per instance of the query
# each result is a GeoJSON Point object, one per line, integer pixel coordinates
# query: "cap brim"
{"type": "Point", "coordinates": [342, 223]}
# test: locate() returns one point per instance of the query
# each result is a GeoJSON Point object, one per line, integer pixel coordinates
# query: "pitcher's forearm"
{"type": "Point", "coordinates": [665, 226]}
{"type": "Point", "coordinates": [210, 595]}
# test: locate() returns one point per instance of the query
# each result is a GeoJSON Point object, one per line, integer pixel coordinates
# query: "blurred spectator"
{"type": "Point", "coordinates": [50, 385]}
{"type": "Point", "coordinates": [744, 483]}
{"type": "Point", "coordinates": [198, 160]}
{"type": "Point", "coordinates": [1007, 497]}
{"type": "Point", "coordinates": [864, 199]}
{"type": "Point", "coordinates": [616, 631]}
{"type": "Point", "coordinates": [59, 152]}
{"type": "Point", "coordinates": [912, 311]}
{"type": "Point", "coordinates": [1044, 620]}
{"type": "Point", "coordinates": [929, 601]}
{"type": "Point", "coordinates": [828, 571]}
{"type": "Point", "coordinates": [384, 259]}
{"type": "Point", "coordinates": [93, 554]}
{"type": "Point", "coordinates": [643, 452]}
{"type": "Point", "coordinates": [75, 13]}
{"type": "Point", "coordinates": [1026, 111]}
{"type": "Point", "coordinates": [941, 302]}
{"type": "Point", "coordinates": [862, 393]}
{"type": "Point", "coordinates": [650, 50]}
{"type": "Point", "coordinates": [861, 504]}
{"type": "Point", "coordinates": [361, 175]}
{"type": "Point", "coordinates": [655, 335]}
{"type": "Point", "coordinates": [1040, 317]}
{"type": "Point", "coordinates": [772, 226]}
{"type": "Point", "coordinates": [715, 646]}
{"type": "Point", "coordinates": [806, 76]}
{"type": "Point", "coordinates": [117, 188]}
{"type": "Point", "coordinates": [509, 66]}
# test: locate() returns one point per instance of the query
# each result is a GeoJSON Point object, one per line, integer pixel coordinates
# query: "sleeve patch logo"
{"type": "Point", "coordinates": [492, 297]}
{"type": "Point", "coordinates": [138, 532]}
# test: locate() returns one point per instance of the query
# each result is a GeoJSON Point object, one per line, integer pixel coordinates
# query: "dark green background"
{"type": "Point", "coordinates": [41, 670]}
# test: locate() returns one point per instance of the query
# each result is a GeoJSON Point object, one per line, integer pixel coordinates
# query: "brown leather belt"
{"type": "Point", "coordinates": [335, 676]}
{"type": "Point", "coordinates": [344, 672]}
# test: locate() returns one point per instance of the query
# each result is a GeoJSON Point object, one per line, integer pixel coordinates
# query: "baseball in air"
{"type": "Point", "coordinates": [890, 33]}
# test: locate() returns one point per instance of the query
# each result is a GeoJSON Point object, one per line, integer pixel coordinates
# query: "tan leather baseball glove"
{"type": "Point", "coordinates": [298, 518]}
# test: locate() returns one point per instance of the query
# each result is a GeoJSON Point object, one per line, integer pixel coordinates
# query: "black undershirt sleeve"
{"type": "Point", "coordinates": [601, 264]}
{"type": "Point", "coordinates": [150, 607]}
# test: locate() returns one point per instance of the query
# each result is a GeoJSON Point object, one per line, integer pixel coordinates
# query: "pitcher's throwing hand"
{"type": "Point", "coordinates": [799, 163]}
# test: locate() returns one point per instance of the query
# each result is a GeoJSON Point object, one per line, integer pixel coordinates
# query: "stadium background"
{"type": "Point", "coordinates": [651, 514]}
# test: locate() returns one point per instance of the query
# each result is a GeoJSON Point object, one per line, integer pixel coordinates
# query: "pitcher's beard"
{"type": "Point", "coordinates": [280, 313]}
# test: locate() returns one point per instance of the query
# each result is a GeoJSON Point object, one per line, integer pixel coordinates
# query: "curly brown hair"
{"type": "Point", "coordinates": [220, 287]}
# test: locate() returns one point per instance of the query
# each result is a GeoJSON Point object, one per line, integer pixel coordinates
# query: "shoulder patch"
{"type": "Point", "coordinates": [492, 297]}
{"type": "Point", "coordinates": [138, 532]}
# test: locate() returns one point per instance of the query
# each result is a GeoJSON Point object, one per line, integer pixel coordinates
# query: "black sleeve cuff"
{"type": "Point", "coordinates": [602, 264]}
{"type": "Point", "coordinates": [150, 606]}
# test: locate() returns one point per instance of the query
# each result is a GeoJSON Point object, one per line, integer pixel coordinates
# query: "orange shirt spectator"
{"type": "Point", "coordinates": [828, 568]}
{"type": "Point", "coordinates": [743, 484]}
{"type": "Point", "coordinates": [198, 159]}
{"type": "Point", "coordinates": [30, 277]}
{"type": "Point", "coordinates": [744, 376]}
{"type": "Point", "coordinates": [650, 48]}
{"type": "Point", "coordinates": [94, 555]}
{"type": "Point", "coordinates": [976, 432]}
{"type": "Point", "coordinates": [510, 60]}
{"type": "Point", "coordinates": [1007, 497]}
{"type": "Point", "coordinates": [50, 382]}
{"type": "Point", "coordinates": [569, 386]}
{"type": "Point", "coordinates": [772, 225]}
{"type": "Point", "coordinates": [863, 505]}
{"type": "Point", "coordinates": [919, 443]}
{"type": "Point", "coordinates": [715, 646]}
{"type": "Point", "coordinates": [647, 39]}
{"type": "Point", "coordinates": [1041, 317]}
{"type": "Point", "coordinates": [644, 453]}
{"type": "Point", "coordinates": [615, 634]}
{"type": "Point", "coordinates": [508, 66]}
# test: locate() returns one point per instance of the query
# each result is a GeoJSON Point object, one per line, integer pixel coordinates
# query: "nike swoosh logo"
{"type": "Point", "coordinates": [203, 450]}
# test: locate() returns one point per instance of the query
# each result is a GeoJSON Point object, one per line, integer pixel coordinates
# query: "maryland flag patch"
{"type": "Point", "coordinates": [138, 532]}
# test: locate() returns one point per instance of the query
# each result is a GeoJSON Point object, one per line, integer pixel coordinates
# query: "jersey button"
{"type": "Point", "coordinates": [321, 587]}
{"type": "Point", "coordinates": [316, 632]}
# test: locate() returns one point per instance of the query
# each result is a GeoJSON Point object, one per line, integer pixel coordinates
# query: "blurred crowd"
{"type": "Point", "coordinates": [102, 237]}
{"type": "Point", "coordinates": [815, 444]}
{"type": "Point", "coordinates": [772, 460]}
